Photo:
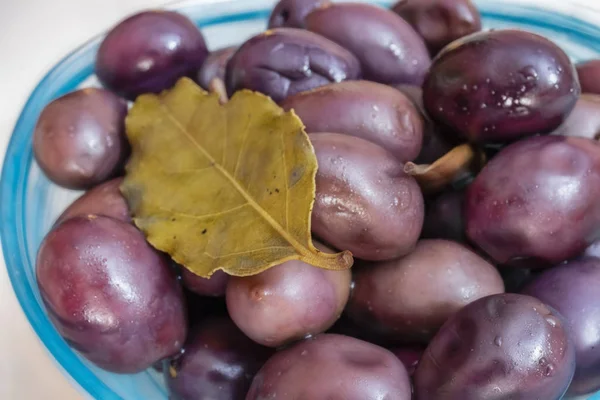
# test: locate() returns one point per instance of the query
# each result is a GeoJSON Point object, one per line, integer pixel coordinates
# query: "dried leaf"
{"type": "Point", "coordinates": [226, 187]}
{"type": "Point", "coordinates": [446, 170]}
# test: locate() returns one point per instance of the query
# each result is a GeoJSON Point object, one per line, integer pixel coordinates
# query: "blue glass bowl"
{"type": "Point", "coordinates": [30, 203]}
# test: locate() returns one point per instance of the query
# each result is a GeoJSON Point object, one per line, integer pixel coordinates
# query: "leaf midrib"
{"type": "Point", "coordinates": [302, 250]}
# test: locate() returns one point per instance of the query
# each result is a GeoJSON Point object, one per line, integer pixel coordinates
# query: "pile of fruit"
{"type": "Point", "coordinates": [358, 203]}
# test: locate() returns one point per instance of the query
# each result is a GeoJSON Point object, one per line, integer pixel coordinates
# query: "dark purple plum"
{"type": "Point", "coordinates": [435, 141]}
{"type": "Point", "coordinates": [499, 86]}
{"type": "Point", "coordinates": [440, 22]}
{"type": "Point", "coordinates": [110, 295]}
{"type": "Point", "coordinates": [368, 110]}
{"type": "Point", "coordinates": [536, 203]}
{"type": "Point", "coordinates": [218, 363]}
{"type": "Point", "coordinates": [148, 52]}
{"type": "Point", "coordinates": [285, 61]}
{"type": "Point", "coordinates": [409, 299]}
{"type": "Point", "coordinates": [444, 217]}
{"type": "Point", "coordinates": [584, 120]}
{"type": "Point", "coordinates": [79, 140]}
{"type": "Point", "coordinates": [214, 286]}
{"type": "Point", "coordinates": [214, 66]}
{"type": "Point", "coordinates": [501, 347]}
{"type": "Point", "coordinates": [288, 302]}
{"type": "Point", "coordinates": [410, 357]}
{"type": "Point", "coordinates": [572, 289]}
{"type": "Point", "coordinates": [105, 199]}
{"type": "Point", "coordinates": [332, 367]}
{"type": "Point", "coordinates": [589, 76]}
{"type": "Point", "coordinates": [389, 49]}
{"type": "Point", "coordinates": [291, 13]}
{"type": "Point", "coordinates": [365, 202]}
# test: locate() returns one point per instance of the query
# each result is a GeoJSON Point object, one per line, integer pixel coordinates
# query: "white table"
{"type": "Point", "coordinates": [34, 35]}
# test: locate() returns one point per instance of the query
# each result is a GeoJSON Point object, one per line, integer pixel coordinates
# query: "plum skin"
{"type": "Point", "coordinates": [440, 22]}
{"type": "Point", "coordinates": [584, 120]}
{"type": "Point", "coordinates": [214, 66]}
{"type": "Point", "coordinates": [105, 199]}
{"type": "Point", "coordinates": [148, 52]}
{"type": "Point", "coordinates": [407, 300]}
{"type": "Point", "coordinates": [500, 86]}
{"type": "Point", "coordinates": [589, 74]}
{"type": "Point", "coordinates": [292, 13]}
{"type": "Point", "coordinates": [535, 203]}
{"type": "Point", "coordinates": [572, 289]}
{"type": "Point", "coordinates": [506, 346]}
{"type": "Point", "coordinates": [79, 139]}
{"type": "Point", "coordinates": [218, 362]}
{"type": "Point", "coordinates": [364, 203]}
{"type": "Point", "coordinates": [287, 302]}
{"type": "Point", "coordinates": [110, 295]}
{"type": "Point", "coordinates": [284, 61]}
{"type": "Point", "coordinates": [214, 286]}
{"type": "Point", "coordinates": [368, 110]}
{"type": "Point", "coordinates": [389, 49]}
{"type": "Point", "coordinates": [332, 367]}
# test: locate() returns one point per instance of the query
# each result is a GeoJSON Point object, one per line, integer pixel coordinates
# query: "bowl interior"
{"type": "Point", "coordinates": [29, 203]}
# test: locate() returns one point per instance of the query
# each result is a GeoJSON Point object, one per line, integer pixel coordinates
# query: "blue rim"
{"type": "Point", "coordinates": [66, 76]}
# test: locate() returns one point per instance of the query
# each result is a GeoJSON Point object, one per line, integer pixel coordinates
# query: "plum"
{"type": "Point", "coordinates": [285, 61]}
{"type": "Point", "coordinates": [291, 13]}
{"type": "Point", "coordinates": [389, 49]}
{"type": "Point", "coordinates": [407, 300]}
{"type": "Point", "coordinates": [589, 74]}
{"type": "Point", "coordinates": [365, 203]}
{"type": "Point", "coordinates": [218, 363]}
{"type": "Point", "coordinates": [440, 22]}
{"type": "Point", "coordinates": [572, 289]}
{"type": "Point", "coordinates": [369, 110]}
{"type": "Point", "coordinates": [536, 203]}
{"type": "Point", "coordinates": [287, 302]}
{"type": "Point", "coordinates": [148, 52]}
{"type": "Point", "coordinates": [584, 120]}
{"type": "Point", "coordinates": [435, 141]}
{"type": "Point", "coordinates": [500, 347]}
{"type": "Point", "coordinates": [499, 86]}
{"type": "Point", "coordinates": [79, 139]}
{"type": "Point", "coordinates": [110, 294]}
{"type": "Point", "coordinates": [214, 286]}
{"type": "Point", "coordinates": [105, 199]}
{"type": "Point", "coordinates": [410, 357]}
{"type": "Point", "coordinates": [332, 367]}
{"type": "Point", "coordinates": [214, 66]}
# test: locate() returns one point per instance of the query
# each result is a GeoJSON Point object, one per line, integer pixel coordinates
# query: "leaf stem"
{"type": "Point", "coordinates": [217, 86]}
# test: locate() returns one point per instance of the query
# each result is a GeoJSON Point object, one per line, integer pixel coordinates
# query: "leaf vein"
{"type": "Point", "coordinates": [241, 253]}
{"type": "Point", "coordinates": [242, 147]}
{"type": "Point", "coordinates": [302, 250]}
{"type": "Point", "coordinates": [205, 216]}
{"type": "Point", "coordinates": [285, 168]}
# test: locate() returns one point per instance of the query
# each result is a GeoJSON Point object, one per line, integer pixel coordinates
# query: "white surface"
{"type": "Point", "coordinates": [34, 35]}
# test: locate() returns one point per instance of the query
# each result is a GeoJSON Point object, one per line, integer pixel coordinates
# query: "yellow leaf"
{"type": "Point", "coordinates": [226, 187]}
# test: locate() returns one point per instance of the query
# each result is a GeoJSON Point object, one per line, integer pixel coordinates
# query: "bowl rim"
{"type": "Point", "coordinates": [60, 80]}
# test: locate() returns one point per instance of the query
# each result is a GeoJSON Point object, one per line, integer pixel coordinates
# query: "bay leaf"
{"type": "Point", "coordinates": [223, 186]}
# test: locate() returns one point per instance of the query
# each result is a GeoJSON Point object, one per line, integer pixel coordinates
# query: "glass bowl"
{"type": "Point", "coordinates": [29, 203]}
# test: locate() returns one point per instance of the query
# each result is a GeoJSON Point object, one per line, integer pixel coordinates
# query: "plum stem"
{"type": "Point", "coordinates": [453, 165]}
{"type": "Point", "coordinates": [217, 86]}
